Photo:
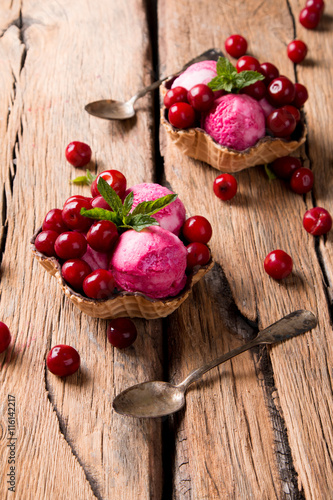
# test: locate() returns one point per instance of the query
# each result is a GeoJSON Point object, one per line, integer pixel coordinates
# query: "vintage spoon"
{"type": "Point", "coordinates": [116, 110]}
{"type": "Point", "coordinates": [157, 399]}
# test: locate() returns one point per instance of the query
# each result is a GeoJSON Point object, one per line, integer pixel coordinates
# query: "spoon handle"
{"type": "Point", "coordinates": [290, 326]}
{"type": "Point", "coordinates": [144, 91]}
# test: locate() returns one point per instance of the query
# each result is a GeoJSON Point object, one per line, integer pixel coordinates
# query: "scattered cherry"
{"type": "Point", "coordinates": [114, 178]}
{"type": "Point", "coordinates": [316, 4]}
{"type": "Point", "coordinates": [54, 222]}
{"type": "Point", "coordinates": [45, 241]}
{"type": "Point", "coordinates": [281, 91]}
{"type": "Point", "coordinates": [236, 45]}
{"type": "Point", "coordinates": [201, 97]}
{"type": "Point", "coordinates": [301, 181]}
{"type": "Point", "coordinates": [269, 71]}
{"type": "Point", "coordinates": [285, 166]}
{"type": "Point", "coordinates": [281, 123]}
{"type": "Point", "coordinates": [70, 245]}
{"type": "Point", "coordinates": [198, 254]}
{"type": "Point", "coordinates": [178, 94]}
{"type": "Point", "coordinates": [99, 284]}
{"type": "Point", "coordinates": [197, 229]}
{"type": "Point", "coordinates": [247, 63]}
{"type": "Point", "coordinates": [63, 360]}
{"type": "Point", "coordinates": [102, 235]}
{"type": "Point", "coordinates": [297, 51]}
{"type": "Point", "coordinates": [278, 264]}
{"type": "Point", "coordinates": [309, 18]}
{"type": "Point", "coordinates": [317, 221]}
{"type": "Point", "coordinates": [181, 115]}
{"type": "Point", "coordinates": [74, 271]}
{"type": "Point", "coordinates": [99, 202]}
{"type": "Point", "coordinates": [293, 111]}
{"type": "Point", "coordinates": [225, 187]}
{"type": "Point", "coordinates": [121, 332]}
{"type": "Point", "coordinates": [5, 337]}
{"type": "Point", "coordinates": [78, 154]}
{"type": "Point", "coordinates": [72, 216]}
{"type": "Point", "coordinates": [256, 90]}
{"type": "Point", "coordinates": [301, 95]}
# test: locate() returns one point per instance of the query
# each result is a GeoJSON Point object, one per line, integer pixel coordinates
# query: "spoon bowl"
{"type": "Point", "coordinates": [109, 109]}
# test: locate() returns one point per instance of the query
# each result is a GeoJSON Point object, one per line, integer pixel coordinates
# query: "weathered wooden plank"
{"type": "Point", "coordinates": [69, 439]}
{"type": "Point", "coordinates": [262, 217]}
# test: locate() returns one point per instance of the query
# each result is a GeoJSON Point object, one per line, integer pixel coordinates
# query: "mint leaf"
{"type": "Point", "coordinates": [127, 205]}
{"type": "Point", "coordinates": [101, 214]}
{"type": "Point", "coordinates": [110, 196]}
{"type": "Point", "coordinates": [229, 80]}
{"type": "Point", "coordinates": [84, 180]}
{"type": "Point", "coordinates": [141, 221]}
{"type": "Point", "coordinates": [270, 174]}
{"type": "Point", "coordinates": [151, 207]}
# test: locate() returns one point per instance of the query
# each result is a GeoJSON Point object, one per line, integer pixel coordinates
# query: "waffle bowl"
{"type": "Point", "coordinates": [197, 144]}
{"type": "Point", "coordinates": [128, 304]}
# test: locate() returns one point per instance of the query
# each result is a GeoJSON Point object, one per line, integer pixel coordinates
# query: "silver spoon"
{"type": "Point", "coordinates": [157, 399]}
{"type": "Point", "coordinates": [117, 110]}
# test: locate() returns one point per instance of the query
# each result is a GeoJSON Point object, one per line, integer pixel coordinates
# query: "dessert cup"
{"type": "Point", "coordinates": [197, 144]}
{"type": "Point", "coordinates": [132, 305]}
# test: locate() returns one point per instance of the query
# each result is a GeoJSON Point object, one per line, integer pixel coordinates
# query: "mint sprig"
{"type": "Point", "coordinates": [229, 80]}
{"type": "Point", "coordinates": [84, 180]}
{"type": "Point", "coordinates": [120, 213]}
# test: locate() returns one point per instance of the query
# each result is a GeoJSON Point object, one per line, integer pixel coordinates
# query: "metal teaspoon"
{"type": "Point", "coordinates": [117, 110]}
{"type": "Point", "coordinates": [157, 399]}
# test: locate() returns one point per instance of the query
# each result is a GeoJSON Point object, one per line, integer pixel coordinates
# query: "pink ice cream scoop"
{"type": "Point", "coordinates": [152, 261]}
{"type": "Point", "coordinates": [236, 121]}
{"type": "Point", "coordinates": [96, 260]}
{"type": "Point", "coordinates": [200, 72]}
{"type": "Point", "coordinates": [171, 217]}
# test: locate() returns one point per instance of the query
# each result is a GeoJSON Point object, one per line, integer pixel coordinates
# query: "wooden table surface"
{"type": "Point", "coordinates": [258, 427]}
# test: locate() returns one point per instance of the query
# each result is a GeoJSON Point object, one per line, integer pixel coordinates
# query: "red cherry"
{"type": "Point", "coordinates": [301, 95]}
{"type": "Point", "coordinates": [71, 245]}
{"type": "Point", "coordinates": [301, 181]}
{"type": "Point", "coordinates": [5, 337]}
{"type": "Point", "coordinates": [269, 71]}
{"type": "Point", "coordinates": [257, 90]}
{"type": "Point", "coordinates": [247, 63]}
{"type": "Point", "coordinates": [99, 202]}
{"type": "Point", "coordinates": [102, 235]}
{"type": "Point", "coordinates": [197, 228]}
{"type": "Point", "coordinates": [309, 18]}
{"type": "Point", "coordinates": [78, 154]}
{"type": "Point", "coordinates": [45, 241]}
{"type": "Point", "coordinates": [181, 115]}
{"type": "Point", "coordinates": [278, 264]}
{"type": "Point", "coordinates": [72, 216]}
{"type": "Point", "coordinates": [201, 97]}
{"type": "Point", "coordinates": [285, 166]}
{"type": "Point", "coordinates": [177, 94]}
{"type": "Point", "coordinates": [63, 360]}
{"type": "Point", "coordinates": [225, 187]}
{"type": "Point", "coordinates": [281, 123]}
{"type": "Point", "coordinates": [236, 45]}
{"type": "Point", "coordinates": [281, 91]}
{"type": "Point", "coordinates": [99, 284]}
{"type": "Point", "coordinates": [293, 111]}
{"type": "Point", "coordinates": [114, 178]}
{"type": "Point", "coordinates": [297, 51]}
{"type": "Point", "coordinates": [316, 4]}
{"type": "Point", "coordinates": [198, 254]}
{"type": "Point", "coordinates": [121, 332]}
{"type": "Point", "coordinates": [78, 197]}
{"type": "Point", "coordinates": [54, 222]}
{"type": "Point", "coordinates": [317, 221]}
{"type": "Point", "coordinates": [74, 271]}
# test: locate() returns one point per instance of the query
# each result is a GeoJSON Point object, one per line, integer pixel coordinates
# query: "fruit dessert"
{"type": "Point", "coordinates": [244, 116]}
{"type": "Point", "coordinates": [124, 254]}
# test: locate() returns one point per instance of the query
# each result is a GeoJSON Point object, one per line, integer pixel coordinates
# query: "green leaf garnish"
{"type": "Point", "coordinates": [270, 174]}
{"type": "Point", "coordinates": [229, 80]}
{"type": "Point", "coordinates": [120, 215]}
{"type": "Point", "coordinates": [84, 180]}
